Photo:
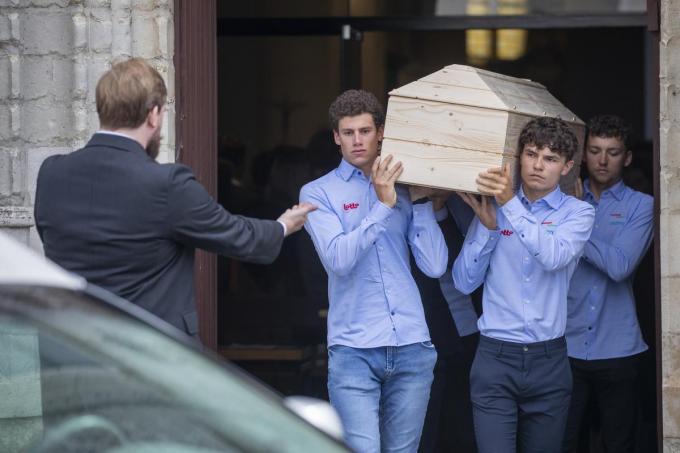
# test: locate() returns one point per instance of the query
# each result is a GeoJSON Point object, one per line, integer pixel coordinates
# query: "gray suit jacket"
{"type": "Point", "coordinates": [130, 225]}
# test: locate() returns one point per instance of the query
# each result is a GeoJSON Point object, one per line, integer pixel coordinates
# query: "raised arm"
{"type": "Point", "coordinates": [553, 250]}
{"type": "Point", "coordinates": [470, 267]}
{"type": "Point", "coordinates": [340, 251]}
{"type": "Point", "coordinates": [472, 262]}
{"type": "Point", "coordinates": [427, 241]}
{"type": "Point", "coordinates": [196, 219]}
{"type": "Point", "coordinates": [618, 256]}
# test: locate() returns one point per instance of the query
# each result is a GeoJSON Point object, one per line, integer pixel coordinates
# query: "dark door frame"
{"type": "Point", "coordinates": [195, 62]}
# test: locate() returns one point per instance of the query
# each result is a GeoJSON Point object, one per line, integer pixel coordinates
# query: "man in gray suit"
{"type": "Point", "coordinates": [112, 214]}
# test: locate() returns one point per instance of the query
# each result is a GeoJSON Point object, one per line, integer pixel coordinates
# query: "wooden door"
{"type": "Point", "coordinates": [196, 131]}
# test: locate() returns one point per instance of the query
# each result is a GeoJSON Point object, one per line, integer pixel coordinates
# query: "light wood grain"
{"type": "Point", "coordinates": [442, 167]}
{"type": "Point", "coordinates": [445, 124]}
{"type": "Point", "coordinates": [470, 86]}
{"type": "Point", "coordinates": [451, 94]}
{"type": "Point", "coordinates": [451, 125]}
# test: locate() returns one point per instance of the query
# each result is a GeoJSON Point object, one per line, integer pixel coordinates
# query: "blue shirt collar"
{"type": "Point", "coordinates": [553, 199]}
{"type": "Point", "coordinates": [345, 170]}
{"type": "Point", "coordinates": [617, 190]}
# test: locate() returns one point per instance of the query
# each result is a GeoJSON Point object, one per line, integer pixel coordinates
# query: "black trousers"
{"type": "Point", "coordinates": [448, 424]}
{"type": "Point", "coordinates": [520, 395]}
{"type": "Point", "coordinates": [611, 383]}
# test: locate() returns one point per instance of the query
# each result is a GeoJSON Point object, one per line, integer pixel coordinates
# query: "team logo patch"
{"type": "Point", "coordinates": [549, 226]}
{"type": "Point", "coordinates": [506, 232]}
{"type": "Point", "coordinates": [617, 218]}
{"type": "Point", "coordinates": [348, 206]}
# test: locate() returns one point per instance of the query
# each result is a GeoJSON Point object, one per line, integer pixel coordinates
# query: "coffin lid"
{"type": "Point", "coordinates": [466, 85]}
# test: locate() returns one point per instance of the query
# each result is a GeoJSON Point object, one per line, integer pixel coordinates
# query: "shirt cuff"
{"type": "Point", "coordinates": [441, 214]}
{"type": "Point", "coordinates": [380, 213]}
{"type": "Point", "coordinates": [285, 228]}
{"type": "Point", "coordinates": [486, 238]}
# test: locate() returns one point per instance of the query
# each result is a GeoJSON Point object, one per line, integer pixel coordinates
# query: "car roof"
{"type": "Point", "coordinates": [19, 265]}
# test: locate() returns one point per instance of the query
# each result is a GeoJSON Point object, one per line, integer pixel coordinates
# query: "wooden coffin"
{"type": "Point", "coordinates": [449, 126]}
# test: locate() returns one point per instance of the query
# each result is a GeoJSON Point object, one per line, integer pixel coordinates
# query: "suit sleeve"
{"type": "Point", "coordinates": [38, 208]}
{"type": "Point", "coordinates": [196, 219]}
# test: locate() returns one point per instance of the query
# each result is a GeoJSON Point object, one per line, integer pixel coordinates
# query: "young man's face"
{"type": "Point", "coordinates": [359, 140]}
{"type": "Point", "coordinates": [541, 170]}
{"type": "Point", "coordinates": [606, 158]}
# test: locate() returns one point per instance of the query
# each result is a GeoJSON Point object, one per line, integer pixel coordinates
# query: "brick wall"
{"type": "Point", "coordinates": [52, 52]}
{"type": "Point", "coordinates": [670, 220]}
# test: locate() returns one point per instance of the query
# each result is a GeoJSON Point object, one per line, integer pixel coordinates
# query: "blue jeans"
{"type": "Point", "coordinates": [381, 394]}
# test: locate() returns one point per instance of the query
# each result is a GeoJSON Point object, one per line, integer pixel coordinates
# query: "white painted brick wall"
{"type": "Point", "coordinates": [5, 123]}
{"type": "Point", "coordinates": [52, 53]}
{"type": "Point", "coordinates": [5, 30]}
{"type": "Point", "coordinates": [47, 76]}
{"type": "Point", "coordinates": [669, 147]}
{"type": "Point", "coordinates": [47, 30]}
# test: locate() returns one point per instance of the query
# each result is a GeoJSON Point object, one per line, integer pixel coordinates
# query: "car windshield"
{"type": "Point", "coordinates": [78, 375]}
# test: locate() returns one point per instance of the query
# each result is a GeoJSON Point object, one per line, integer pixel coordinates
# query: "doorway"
{"type": "Point", "coordinates": [280, 64]}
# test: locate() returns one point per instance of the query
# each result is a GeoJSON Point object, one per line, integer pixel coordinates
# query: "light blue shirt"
{"type": "Point", "coordinates": [525, 265]}
{"type": "Point", "coordinates": [363, 245]}
{"type": "Point", "coordinates": [602, 322]}
{"type": "Point", "coordinates": [460, 305]}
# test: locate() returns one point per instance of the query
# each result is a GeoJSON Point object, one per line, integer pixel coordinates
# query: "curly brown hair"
{"type": "Point", "coordinates": [552, 133]}
{"type": "Point", "coordinates": [353, 103]}
{"type": "Point", "coordinates": [610, 126]}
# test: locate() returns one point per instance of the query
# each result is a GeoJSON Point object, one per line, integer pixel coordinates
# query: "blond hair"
{"type": "Point", "coordinates": [127, 92]}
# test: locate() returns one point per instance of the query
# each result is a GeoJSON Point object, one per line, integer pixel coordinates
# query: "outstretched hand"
{"type": "Point", "coordinates": [295, 217]}
{"type": "Point", "coordinates": [482, 207]}
{"type": "Point", "coordinates": [497, 182]}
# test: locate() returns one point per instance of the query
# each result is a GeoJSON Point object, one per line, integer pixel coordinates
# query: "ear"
{"type": "Point", "coordinates": [629, 158]}
{"type": "Point", "coordinates": [336, 137]}
{"type": "Point", "coordinates": [153, 118]}
{"type": "Point", "coordinates": [381, 133]}
{"type": "Point", "coordinates": [567, 167]}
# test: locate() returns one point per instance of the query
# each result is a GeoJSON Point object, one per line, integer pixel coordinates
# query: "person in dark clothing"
{"type": "Point", "coordinates": [452, 320]}
{"type": "Point", "coordinates": [112, 214]}
{"type": "Point", "coordinates": [604, 340]}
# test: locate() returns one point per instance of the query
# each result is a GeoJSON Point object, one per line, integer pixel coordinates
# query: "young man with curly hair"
{"type": "Point", "coordinates": [380, 358]}
{"type": "Point", "coordinates": [603, 335]}
{"type": "Point", "coordinates": [524, 247]}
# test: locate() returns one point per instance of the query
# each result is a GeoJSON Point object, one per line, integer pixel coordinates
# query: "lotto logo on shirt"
{"type": "Point", "coordinates": [348, 206]}
{"type": "Point", "coordinates": [506, 232]}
